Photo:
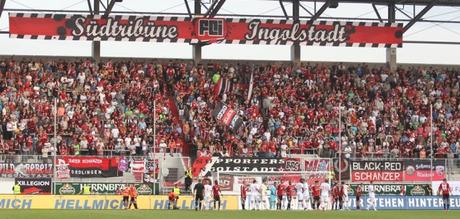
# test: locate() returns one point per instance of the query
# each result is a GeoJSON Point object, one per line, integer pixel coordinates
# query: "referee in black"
{"type": "Point", "coordinates": [198, 191]}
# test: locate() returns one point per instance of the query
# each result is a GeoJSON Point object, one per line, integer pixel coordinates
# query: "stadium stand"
{"type": "Point", "coordinates": [101, 109]}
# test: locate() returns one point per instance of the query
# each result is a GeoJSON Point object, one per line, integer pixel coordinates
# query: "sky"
{"type": "Point", "coordinates": [410, 53]}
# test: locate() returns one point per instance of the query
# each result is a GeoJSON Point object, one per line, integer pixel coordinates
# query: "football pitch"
{"type": "Point", "coordinates": [189, 214]}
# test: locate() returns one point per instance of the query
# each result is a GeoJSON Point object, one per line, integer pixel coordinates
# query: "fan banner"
{"type": "Point", "coordinates": [26, 169]}
{"type": "Point", "coordinates": [203, 30]}
{"type": "Point", "coordinates": [424, 170]}
{"type": "Point", "coordinates": [85, 167]}
{"type": "Point", "coordinates": [379, 171]}
{"type": "Point", "coordinates": [250, 164]}
{"type": "Point", "coordinates": [34, 186]}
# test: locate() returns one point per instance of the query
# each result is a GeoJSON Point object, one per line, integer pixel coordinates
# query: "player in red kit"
{"type": "Point", "coordinates": [358, 193]}
{"type": "Point", "coordinates": [316, 193]}
{"type": "Point", "coordinates": [243, 194]}
{"type": "Point", "coordinates": [335, 197]}
{"type": "Point", "coordinates": [216, 194]}
{"type": "Point", "coordinates": [341, 195]}
{"type": "Point", "coordinates": [445, 190]}
{"type": "Point", "coordinates": [290, 192]}
{"type": "Point", "coordinates": [280, 190]}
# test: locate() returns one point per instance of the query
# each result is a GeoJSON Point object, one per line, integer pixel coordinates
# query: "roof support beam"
{"type": "Point", "coordinates": [110, 7]}
{"type": "Point", "coordinates": [197, 48]}
{"type": "Point", "coordinates": [96, 45]}
{"type": "Point", "coordinates": [320, 11]}
{"type": "Point", "coordinates": [90, 8]}
{"type": "Point", "coordinates": [211, 8]}
{"type": "Point", "coordinates": [216, 9]}
{"type": "Point", "coordinates": [377, 13]}
{"type": "Point", "coordinates": [2, 6]}
{"type": "Point", "coordinates": [305, 9]}
{"type": "Point", "coordinates": [419, 16]}
{"type": "Point", "coordinates": [188, 9]}
{"type": "Point", "coordinates": [102, 3]}
{"type": "Point", "coordinates": [284, 10]}
{"type": "Point", "coordinates": [295, 47]}
{"type": "Point", "coordinates": [403, 12]}
{"type": "Point", "coordinates": [206, 7]}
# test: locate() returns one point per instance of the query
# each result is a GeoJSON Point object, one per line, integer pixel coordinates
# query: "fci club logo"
{"type": "Point", "coordinates": [210, 29]}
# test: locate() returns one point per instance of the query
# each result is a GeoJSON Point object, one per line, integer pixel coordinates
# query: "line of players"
{"type": "Point", "coordinates": [301, 196]}
{"type": "Point", "coordinates": [282, 196]}
{"type": "Point", "coordinates": [207, 196]}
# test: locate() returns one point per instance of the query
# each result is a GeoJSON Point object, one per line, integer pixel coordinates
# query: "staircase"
{"type": "Point", "coordinates": [453, 170]}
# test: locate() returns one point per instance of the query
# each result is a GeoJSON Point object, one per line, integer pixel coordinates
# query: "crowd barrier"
{"type": "Point", "coordinates": [99, 202]}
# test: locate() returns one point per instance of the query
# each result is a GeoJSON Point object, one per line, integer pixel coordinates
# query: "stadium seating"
{"type": "Point", "coordinates": [108, 108]}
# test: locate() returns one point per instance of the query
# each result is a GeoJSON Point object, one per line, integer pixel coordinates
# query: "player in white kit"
{"type": "Point", "coordinates": [299, 192]}
{"type": "Point", "coordinates": [264, 203]}
{"type": "Point", "coordinates": [371, 202]}
{"type": "Point", "coordinates": [325, 195]}
{"type": "Point", "coordinates": [306, 202]}
{"type": "Point", "coordinates": [207, 196]}
{"type": "Point", "coordinates": [346, 204]}
{"type": "Point", "coordinates": [253, 197]}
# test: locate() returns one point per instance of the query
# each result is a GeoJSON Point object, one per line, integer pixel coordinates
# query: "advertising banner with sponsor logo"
{"type": "Point", "coordinates": [84, 167]}
{"type": "Point", "coordinates": [378, 171]}
{"type": "Point", "coordinates": [32, 186]}
{"type": "Point", "coordinates": [203, 30]}
{"type": "Point", "coordinates": [26, 169]}
{"type": "Point", "coordinates": [99, 188]}
{"type": "Point", "coordinates": [454, 185]}
{"type": "Point", "coordinates": [100, 202]}
{"type": "Point", "coordinates": [422, 170]}
{"type": "Point", "coordinates": [408, 203]}
{"type": "Point", "coordinates": [396, 189]}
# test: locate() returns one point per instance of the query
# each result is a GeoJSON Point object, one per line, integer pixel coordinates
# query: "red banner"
{"type": "Point", "coordinates": [377, 176]}
{"type": "Point", "coordinates": [204, 30]}
{"type": "Point", "coordinates": [424, 170]}
{"type": "Point", "coordinates": [87, 162]}
{"type": "Point", "coordinates": [75, 166]}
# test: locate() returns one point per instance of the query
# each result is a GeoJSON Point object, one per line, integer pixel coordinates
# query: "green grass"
{"type": "Point", "coordinates": [189, 214]}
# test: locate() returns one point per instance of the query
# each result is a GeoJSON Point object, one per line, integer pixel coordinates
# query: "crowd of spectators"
{"type": "Point", "coordinates": [109, 108]}
{"type": "Point", "coordinates": [101, 109]}
{"type": "Point", "coordinates": [296, 110]}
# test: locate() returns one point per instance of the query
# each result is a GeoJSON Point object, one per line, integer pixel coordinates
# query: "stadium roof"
{"type": "Point", "coordinates": [386, 2]}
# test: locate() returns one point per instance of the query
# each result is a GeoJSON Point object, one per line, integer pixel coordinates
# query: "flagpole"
{"type": "Point", "coordinates": [55, 127]}
{"type": "Point", "coordinates": [431, 142]}
{"type": "Point", "coordinates": [251, 85]}
{"type": "Point", "coordinates": [340, 144]}
{"type": "Point", "coordinates": [154, 126]}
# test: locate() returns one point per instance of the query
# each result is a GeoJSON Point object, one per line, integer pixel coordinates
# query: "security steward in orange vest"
{"type": "Point", "coordinates": [133, 194]}
{"type": "Point", "coordinates": [125, 194]}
